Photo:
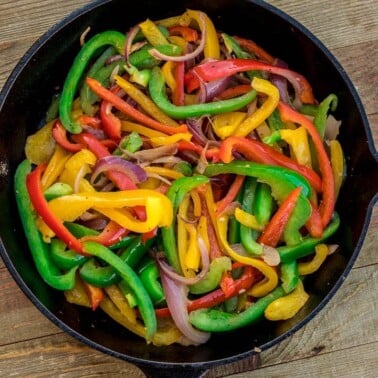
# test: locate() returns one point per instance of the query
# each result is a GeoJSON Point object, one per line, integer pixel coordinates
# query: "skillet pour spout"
{"type": "Point", "coordinates": [41, 72]}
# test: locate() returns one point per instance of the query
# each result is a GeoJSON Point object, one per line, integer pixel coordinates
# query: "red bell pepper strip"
{"type": "Point", "coordinates": [211, 70]}
{"type": "Point", "coordinates": [34, 187]}
{"type": "Point", "coordinates": [232, 92]}
{"type": "Point", "coordinates": [249, 277]}
{"type": "Point", "coordinates": [231, 194]}
{"type": "Point", "coordinates": [189, 34]}
{"type": "Point", "coordinates": [127, 109]}
{"type": "Point", "coordinates": [94, 122]}
{"type": "Point", "coordinates": [262, 153]}
{"type": "Point", "coordinates": [111, 124]}
{"type": "Point", "coordinates": [212, 153]}
{"type": "Point", "coordinates": [252, 47]}
{"type": "Point", "coordinates": [122, 181]}
{"type": "Point", "coordinates": [227, 284]}
{"type": "Point", "coordinates": [314, 224]}
{"type": "Point", "coordinates": [191, 81]}
{"type": "Point", "coordinates": [274, 229]}
{"type": "Point", "coordinates": [59, 133]}
{"type": "Point", "coordinates": [178, 95]}
{"type": "Point", "coordinates": [111, 234]}
{"type": "Point", "coordinates": [327, 204]}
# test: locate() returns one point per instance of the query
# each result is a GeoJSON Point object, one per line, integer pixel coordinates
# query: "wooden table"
{"type": "Point", "coordinates": [341, 341]}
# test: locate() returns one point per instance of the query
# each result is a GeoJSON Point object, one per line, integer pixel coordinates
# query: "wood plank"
{"type": "Point", "coordinates": [47, 354]}
{"type": "Point", "coordinates": [360, 361]}
{"type": "Point", "coordinates": [343, 23]}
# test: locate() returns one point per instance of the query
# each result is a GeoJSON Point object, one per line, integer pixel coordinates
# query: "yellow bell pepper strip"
{"type": "Point", "coordinates": [79, 163]}
{"type": "Point", "coordinates": [126, 273]}
{"type": "Point", "coordinates": [299, 146]}
{"type": "Point", "coordinates": [211, 49]}
{"type": "Point", "coordinates": [287, 306]}
{"type": "Point", "coordinates": [167, 71]}
{"type": "Point", "coordinates": [127, 109]}
{"type": "Point", "coordinates": [176, 193]}
{"type": "Point", "coordinates": [147, 105]}
{"type": "Point", "coordinates": [41, 206]}
{"type": "Point", "coordinates": [226, 124]}
{"type": "Point", "coordinates": [196, 200]}
{"type": "Point", "coordinates": [171, 139]}
{"type": "Point", "coordinates": [142, 130]}
{"type": "Point", "coordinates": [40, 146]}
{"type": "Point", "coordinates": [152, 33]}
{"type": "Point", "coordinates": [327, 204]}
{"type": "Point", "coordinates": [118, 298]}
{"type": "Point", "coordinates": [248, 220]}
{"type": "Point", "coordinates": [166, 334]}
{"type": "Point", "coordinates": [263, 112]}
{"type": "Point", "coordinates": [54, 167]}
{"type": "Point", "coordinates": [161, 171]}
{"type": "Point", "coordinates": [159, 210]}
{"type": "Point", "coordinates": [337, 162]}
{"type": "Point", "coordinates": [309, 267]}
{"type": "Point", "coordinates": [182, 235]}
{"type": "Point", "coordinates": [270, 281]}
{"type": "Point", "coordinates": [192, 256]}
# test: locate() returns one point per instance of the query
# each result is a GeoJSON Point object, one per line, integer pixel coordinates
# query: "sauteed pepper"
{"type": "Point", "coordinates": [190, 176]}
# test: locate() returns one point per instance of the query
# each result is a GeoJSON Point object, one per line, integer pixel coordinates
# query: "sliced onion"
{"type": "Point", "coordinates": [280, 82]}
{"type": "Point", "coordinates": [188, 280]}
{"type": "Point", "coordinates": [118, 164]}
{"type": "Point", "coordinates": [153, 153]}
{"type": "Point", "coordinates": [195, 127]}
{"type": "Point", "coordinates": [175, 295]}
{"type": "Point", "coordinates": [130, 38]}
{"type": "Point", "coordinates": [271, 255]}
{"type": "Point", "coordinates": [332, 128]}
{"type": "Point", "coordinates": [191, 55]}
{"type": "Point", "coordinates": [211, 89]}
{"type": "Point", "coordinates": [81, 174]}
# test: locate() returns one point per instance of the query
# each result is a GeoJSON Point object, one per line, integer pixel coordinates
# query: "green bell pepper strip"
{"type": "Point", "coordinates": [142, 59]}
{"type": "Point", "coordinates": [263, 203]}
{"type": "Point", "coordinates": [39, 250]}
{"type": "Point", "coordinates": [233, 225]}
{"type": "Point", "coordinates": [159, 96]}
{"type": "Point", "coordinates": [79, 231]}
{"type": "Point", "coordinates": [57, 189]}
{"type": "Point", "coordinates": [126, 272]}
{"type": "Point", "coordinates": [233, 46]}
{"type": "Point", "coordinates": [65, 259]}
{"type": "Point", "coordinates": [306, 247]}
{"type": "Point", "coordinates": [53, 109]}
{"type": "Point", "coordinates": [103, 276]}
{"type": "Point", "coordinates": [106, 38]}
{"type": "Point", "coordinates": [274, 121]}
{"type": "Point", "coordinates": [87, 97]}
{"type": "Point", "coordinates": [212, 320]}
{"type": "Point", "coordinates": [282, 182]}
{"type": "Point", "coordinates": [149, 274]}
{"type": "Point", "coordinates": [248, 236]}
{"type": "Point", "coordinates": [176, 194]}
{"type": "Point", "coordinates": [320, 120]}
{"type": "Point", "coordinates": [289, 275]}
{"type": "Point", "coordinates": [212, 279]}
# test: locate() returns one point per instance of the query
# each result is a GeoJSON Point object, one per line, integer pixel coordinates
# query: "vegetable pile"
{"type": "Point", "coordinates": [184, 183]}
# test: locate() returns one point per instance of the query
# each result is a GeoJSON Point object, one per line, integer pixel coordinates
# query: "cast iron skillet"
{"type": "Point", "coordinates": [40, 74]}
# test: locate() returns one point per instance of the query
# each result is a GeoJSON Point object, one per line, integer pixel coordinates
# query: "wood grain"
{"type": "Point", "coordinates": [342, 340]}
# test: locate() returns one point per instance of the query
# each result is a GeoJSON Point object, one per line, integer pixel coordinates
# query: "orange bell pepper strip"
{"type": "Point", "coordinates": [189, 34]}
{"type": "Point", "coordinates": [327, 204]}
{"type": "Point", "coordinates": [95, 294]}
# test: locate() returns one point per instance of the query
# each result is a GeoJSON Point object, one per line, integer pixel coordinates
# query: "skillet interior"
{"type": "Point", "coordinates": [40, 74]}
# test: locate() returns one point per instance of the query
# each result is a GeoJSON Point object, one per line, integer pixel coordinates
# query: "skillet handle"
{"type": "Point", "coordinates": [220, 370]}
